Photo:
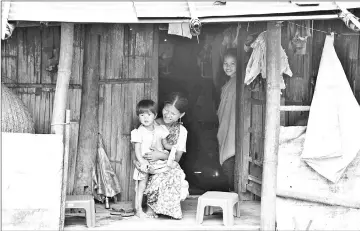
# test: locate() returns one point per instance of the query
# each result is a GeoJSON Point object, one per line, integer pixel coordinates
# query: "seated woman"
{"type": "Point", "coordinates": [165, 190]}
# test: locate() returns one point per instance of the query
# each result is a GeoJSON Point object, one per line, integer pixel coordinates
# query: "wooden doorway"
{"type": "Point", "coordinates": [128, 73]}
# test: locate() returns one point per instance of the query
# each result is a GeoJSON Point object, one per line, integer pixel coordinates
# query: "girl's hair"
{"type": "Point", "coordinates": [178, 100]}
{"type": "Point", "coordinates": [146, 106]}
{"type": "Point", "coordinates": [231, 52]}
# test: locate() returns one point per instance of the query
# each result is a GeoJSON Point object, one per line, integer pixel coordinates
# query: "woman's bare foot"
{"type": "Point", "coordinates": [150, 213]}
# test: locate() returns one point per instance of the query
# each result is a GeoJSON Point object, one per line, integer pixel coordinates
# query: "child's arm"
{"type": "Point", "coordinates": [138, 154]}
{"type": "Point", "coordinates": [166, 144]}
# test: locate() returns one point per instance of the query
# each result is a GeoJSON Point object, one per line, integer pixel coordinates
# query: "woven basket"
{"type": "Point", "coordinates": [15, 117]}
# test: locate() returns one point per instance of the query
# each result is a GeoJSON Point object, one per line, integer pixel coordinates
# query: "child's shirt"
{"type": "Point", "coordinates": [149, 139]}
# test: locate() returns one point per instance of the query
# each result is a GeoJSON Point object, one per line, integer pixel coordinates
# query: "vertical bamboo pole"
{"type": "Point", "coordinates": [272, 126]}
{"type": "Point", "coordinates": [63, 78]}
{"type": "Point", "coordinates": [65, 169]}
{"type": "Point", "coordinates": [60, 100]}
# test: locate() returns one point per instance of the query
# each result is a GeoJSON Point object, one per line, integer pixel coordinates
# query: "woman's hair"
{"type": "Point", "coordinates": [178, 100]}
{"type": "Point", "coordinates": [146, 106]}
{"type": "Point", "coordinates": [231, 52]}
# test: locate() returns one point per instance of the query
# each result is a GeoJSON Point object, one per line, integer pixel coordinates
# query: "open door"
{"type": "Point", "coordinates": [254, 130]}
{"type": "Point", "coordinates": [250, 121]}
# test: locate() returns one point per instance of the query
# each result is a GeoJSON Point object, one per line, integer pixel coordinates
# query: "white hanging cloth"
{"type": "Point", "coordinates": [180, 29]}
{"type": "Point", "coordinates": [257, 61]}
{"type": "Point", "coordinates": [332, 136]}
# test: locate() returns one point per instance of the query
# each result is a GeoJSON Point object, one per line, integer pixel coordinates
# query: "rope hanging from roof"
{"type": "Point", "coordinates": [195, 27]}
{"type": "Point", "coordinates": [195, 23]}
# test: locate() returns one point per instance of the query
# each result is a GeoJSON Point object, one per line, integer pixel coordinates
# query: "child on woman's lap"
{"type": "Point", "coordinates": [149, 136]}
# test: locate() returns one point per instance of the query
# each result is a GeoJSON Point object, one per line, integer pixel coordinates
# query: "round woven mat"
{"type": "Point", "coordinates": [15, 116]}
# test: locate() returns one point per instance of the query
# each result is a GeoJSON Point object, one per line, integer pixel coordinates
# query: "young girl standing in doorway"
{"type": "Point", "coordinates": [226, 114]}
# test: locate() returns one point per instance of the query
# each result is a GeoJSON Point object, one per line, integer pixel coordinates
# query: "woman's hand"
{"type": "Point", "coordinates": [155, 155]}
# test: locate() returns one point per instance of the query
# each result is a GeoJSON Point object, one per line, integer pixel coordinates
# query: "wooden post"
{"type": "Point", "coordinates": [241, 136]}
{"type": "Point", "coordinates": [63, 78]}
{"type": "Point", "coordinates": [272, 126]}
{"type": "Point", "coordinates": [65, 169]}
{"type": "Point", "coordinates": [89, 128]}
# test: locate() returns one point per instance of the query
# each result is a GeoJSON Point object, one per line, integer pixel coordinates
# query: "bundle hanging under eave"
{"type": "Point", "coordinates": [350, 20]}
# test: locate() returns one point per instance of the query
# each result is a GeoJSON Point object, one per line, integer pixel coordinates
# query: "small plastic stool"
{"type": "Point", "coordinates": [84, 202]}
{"type": "Point", "coordinates": [225, 200]}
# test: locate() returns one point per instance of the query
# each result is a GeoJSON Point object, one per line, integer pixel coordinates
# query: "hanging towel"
{"type": "Point", "coordinates": [257, 61]}
{"type": "Point", "coordinates": [181, 29]}
{"type": "Point", "coordinates": [332, 137]}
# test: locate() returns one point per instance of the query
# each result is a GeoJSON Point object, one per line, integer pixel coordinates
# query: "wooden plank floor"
{"type": "Point", "coordinates": [249, 220]}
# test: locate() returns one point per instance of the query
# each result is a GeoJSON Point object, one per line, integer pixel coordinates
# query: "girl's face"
{"type": "Point", "coordinates": [229, 66]}
{"type": "Point", "coordinates": [171, 114]}
{"type": "Point", "coordinates": [147, 118]}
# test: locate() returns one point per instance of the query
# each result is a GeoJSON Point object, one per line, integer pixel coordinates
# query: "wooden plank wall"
{"type": "Point", "coordinates": [298, 87]}
{"type": "Point", "coordinates": [25, 58]}
{"type": "Point", "coordinates": [74, 100]}
{"type": "Point", "coordinates": [305, 67]}
{"type": "Point", "coordinates": [128, 73]}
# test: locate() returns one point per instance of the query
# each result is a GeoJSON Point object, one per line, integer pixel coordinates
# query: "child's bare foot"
{"type": "Point", "coordinates": [141, 214]}
{"type": "Point", "coordinates": [150, 213]}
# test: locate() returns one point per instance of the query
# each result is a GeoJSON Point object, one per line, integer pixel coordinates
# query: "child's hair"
{"type": "Point", "coordinates": [146, 106]}
{"type": "Point", "coordinates": [178, 100]}
{"type": "Point", "coordinates": [231, 52]}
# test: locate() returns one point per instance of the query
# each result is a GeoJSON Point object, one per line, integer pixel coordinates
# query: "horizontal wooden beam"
{"type": "Point", "coordinates": [36, 24]}
{"type": "Point", "coordinates": [254, 188]}
{"type": "Point", "coordinates": [38, 85]}
{"type": "Point", "coordinates": [268, 18]}
{"type": "Point", "coordinates": [254, 179]}
{"type": "Point", "coordinates": [339, 201]}
{"type": "Point", "coordinates": [294, 108]}
{"type": "Point", "coordinates": [125, 80]}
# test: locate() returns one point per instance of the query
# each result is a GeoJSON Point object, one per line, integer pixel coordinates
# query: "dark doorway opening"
{"type": "Point", "coordinates": [183, 67]}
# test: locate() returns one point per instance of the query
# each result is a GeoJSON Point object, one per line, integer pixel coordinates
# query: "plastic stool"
{"type": "Point", "coordinates": [225, 200]}
{"type": "Point", "coordinates": [84, 202]}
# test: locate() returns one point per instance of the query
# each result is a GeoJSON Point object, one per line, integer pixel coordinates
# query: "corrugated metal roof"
{"type": "Point", "coordinates": [161, 11]}
{"type": "Point", "coordinates": [206, 9]}
{"type": "Point", "coordinates": [110, 12]}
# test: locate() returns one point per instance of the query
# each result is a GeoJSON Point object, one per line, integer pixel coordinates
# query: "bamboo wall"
{"type": "Point", "coordinates": [25, 58]}
{"type": "Point", "coordinates": [128, 72]}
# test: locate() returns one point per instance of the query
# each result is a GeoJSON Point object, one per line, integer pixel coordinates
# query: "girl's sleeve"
{"type": "Point", "coordinates": [135, 136]}
{"type": "Point", "coordinates": [181, 143]}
